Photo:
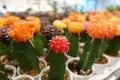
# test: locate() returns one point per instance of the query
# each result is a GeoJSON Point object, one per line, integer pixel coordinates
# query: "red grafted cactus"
{"type": "Point", "coordinates": [59, 44]}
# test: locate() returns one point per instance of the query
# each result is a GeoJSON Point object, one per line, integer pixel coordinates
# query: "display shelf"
{"type": "Point", "coordinates": [111, 72]}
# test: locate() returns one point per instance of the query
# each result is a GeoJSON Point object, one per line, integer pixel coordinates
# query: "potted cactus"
{"type": "Point", "coordinates": [7, 72]}
{"type": "Point", "coordinates": [113, 50]}
{"type": "Point", "coordinates": [73, 35]}
{"type": "Point", "coordinates": [108, 32]}
{"type": "Point", "coordinates": [113, 46]}
{"type": "Point", "coordinates": [92, 50]}
{"type": "Point", "coordinates": [33, 73]}
{"type": "Point", "coordinates": [44, 74]}
{"type": "Point", "coordinates": [57, 45]}
{"type": "Point", "coordinates": [25, 45]}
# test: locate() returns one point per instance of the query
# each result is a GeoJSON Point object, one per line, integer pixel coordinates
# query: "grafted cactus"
{"type": "Point", "coordinates": [58, 45]}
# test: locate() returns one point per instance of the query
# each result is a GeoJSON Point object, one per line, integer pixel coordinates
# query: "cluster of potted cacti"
{"type": "Point", "coordinates": [31, 47]}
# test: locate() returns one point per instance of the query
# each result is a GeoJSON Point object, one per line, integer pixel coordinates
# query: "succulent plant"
{"type": "Point", "coordinates": [25, 45]}
{"type": "Point", "coordinates": [21, 31]}
{"type": "Point", "coordinates": [12, 19]}
{"type": "Point", "coordinates": [4, 38]}
{"type": "Point", "coordinates": [75, 27]}
{"type": "Point", "coordinates": [113, 45]}
{"type": "Point", "coordinates": [100, 35]}
{"type": "Point", "coordinates": [74, 30]}
{"type": "Point", "coordinates": [60, 24]}
{"type": "Point", "coordinates": [57, 45]}
{"type": "Point", "coordinates": [50, 31]}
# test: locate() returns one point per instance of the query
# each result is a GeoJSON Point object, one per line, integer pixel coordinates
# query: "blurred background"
{"type": "Point", "coordinates": [59, 6]}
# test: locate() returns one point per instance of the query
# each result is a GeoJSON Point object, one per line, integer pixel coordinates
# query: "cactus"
{"type": "Point", "coordinates": [95, 46]}
{"type": "Point", "coordinates": [57, 66]}
{"type": "Point", "coordinates": [4, 38]}
{"type": "Point", "coordinates": [89, 54]}
{"type": "Point", "coordinates": [103, 47]}
{"type": "Point", "coordinates": [113, 46]}
{"type": "Point", "coordinates": [75, 28]}
{"type": "Point", "coordinates": [84, 54]}
{"type": "Point", "coordinates": [25, 46]}
{"type": "Point", "coordinates": [74, 45]}
{"type": "Point", "coordinates": [58, 45]}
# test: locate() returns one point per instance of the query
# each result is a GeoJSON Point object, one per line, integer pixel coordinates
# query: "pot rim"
{"type": "Point", "coordinates": [103, 65]}
{"type": "Point", "coordinates": [76, 75]}
{"type": "Point", "coordinates": [40, 59]}
{"type": "Point", "coordinates": [23, 76]}
{"type": "Point", "coordinates": [108, 56]}
{"type": "Point", "coordinates": [13, 68]}
{"type": "Point", "coordinates": [48, 68]}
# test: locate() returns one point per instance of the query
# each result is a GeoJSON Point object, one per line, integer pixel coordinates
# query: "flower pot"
{"type": "Point", "coordinates": [81, 45]}
{"type": "Point", "coordinates": [45, 71]}
{"type": "Point", "coordinates": [10, 71]}
{"type": "Point", "coordinates": [99, 67]}
{"type": "Point", "coordinates": [23, 77]}
{"type": "Point", "coordinates": [33, 73]}
{"type": "Point", "coordinates": [67, 56]}
{"type": "Point", "coordinates": [113, 59]}
{"type": "Point", "coordinates": [77, 76]}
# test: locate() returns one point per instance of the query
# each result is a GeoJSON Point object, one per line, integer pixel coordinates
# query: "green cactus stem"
{"type": "Point", "coordinates": [84, 54]}
{"type": "Point", "coordinates": [57, 66]}
{"type": "Point", "coordinates": [83, 36]}
{"type": "Point", "coordinates": [25, 54]}
{"type": "Point", "coordinates": [91, 49]}
{"type": "Point", "coordinates": [94, 48]}
{"type": "Point", "coordinates": [74, 43]}
{"type": "Point", "coordinates": [103, 47]}
{"type": "Point", "coordinates": [113, 46]}
{"type": "Point", "coordinates": [2, 47]}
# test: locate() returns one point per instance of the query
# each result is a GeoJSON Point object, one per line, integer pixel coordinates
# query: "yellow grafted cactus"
{"type": "Point", "coordinates": [60, 24]}
{"type": "Point", "coordinates": [75, 27]}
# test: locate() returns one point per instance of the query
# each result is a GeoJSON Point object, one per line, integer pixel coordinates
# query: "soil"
{"type": "Point", "coordinates": [4, 60]}
{"type": "Point", "coordinates": [8, 73]}
{"type": "Point", "coordinates": [25, 78]}
{"type": "Point", "coordinates": [113, 55]}
{"type": "Point", "coordinates": [102, 60]}
{"type": "Point", "coordinates": [73, 67]}
{"type": "Point", "coordinates": [81, 47]}
{"type": "Point", "coordinates": [33, 72]}
{"type": "Point", "coordinates": [45, 76]}
{"type": "Point", "coordinates": [42, 65]}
